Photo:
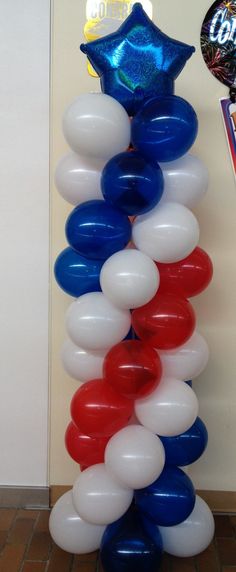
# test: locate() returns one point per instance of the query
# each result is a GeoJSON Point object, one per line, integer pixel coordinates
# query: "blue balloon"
{"type": "Point", "coordinates": [131, 183]}
{"type": "Point", "coordinates": [77, 275]}
{"type": "Point", "coordinates": [189, 382]}
{"type": "Point", "coordinates": [97, 230]}
{"type": "Point", "coordinates": [169, 500]}
{"type": "Point", "coordinates": [131, 544]}
{"type": "Point", "coordinates": [165, 128]}
{"type": "Point", "coordinates": [138, 61]}
{"type": "Point", "coordinates": [188, 447]}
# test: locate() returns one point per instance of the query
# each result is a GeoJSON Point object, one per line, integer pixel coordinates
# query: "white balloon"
{"type": "Point", "coordinates": [78, 178]}
{"type": "Point", "coordinates": [169, 410]}
{"type": "Point", "coordinates": [94, 323]}
{"type": "Point", "coordinates": [98, 497]}
{"type": "Point", "coordinates": [80, 364]}
{"type": "Point", "coordinates": [69, 531]}
{"type": "Point", "coordinates": [135, 456]}
{"type": "Point", "coordinates": [187, 361]}
{"type": "Point", "coordinates": [186, 180]}
{"type": "Point", "coordinates": [96, 125]}
{"type": "Point", "coordinates": [129, 279]}
{"type": "Point", "coordinates": [192, 536]}
{"type": "Point", "coordinates": [168, 233]}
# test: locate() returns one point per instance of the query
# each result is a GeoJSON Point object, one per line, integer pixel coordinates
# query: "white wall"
{"type": "Point", "coordinates": [24, 240]}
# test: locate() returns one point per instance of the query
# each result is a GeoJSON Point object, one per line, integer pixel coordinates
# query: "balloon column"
{"type": "Point", "coordinates": [133, 264]}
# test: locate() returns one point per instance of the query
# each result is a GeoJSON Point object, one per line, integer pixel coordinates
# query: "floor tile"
{"type": "Point", "coordinates": [60, 561]}
{"type": "Point", "coordinates": [227, 551]}
{"type": "Point", "coordinates": [183, 565]}
{"type": "Point", "coordinates": [92, 557]}
{"type": "Point", "coordinates": [34, 567]}
{"type": "Point", "coordinates": [42, 523]}
{"type": "Point", "coordinates": [3, 539]}
{"type": "Point", "coordinates": [21, 531]}
{"type": "Point", "coordinates": [12, 557]}
{"type": "Point", "coordinates": [84, 567]}
{"type": "Point", "coordinates": [27, 513]}
{"type": "Point", "coordinates": [208, 560]}
{"type": "Point", "coordinates": [224, 527]}
{"type": "Point", "coordinates": [6, 518]}
{"type": "Point", "coordinates": [40, 546]}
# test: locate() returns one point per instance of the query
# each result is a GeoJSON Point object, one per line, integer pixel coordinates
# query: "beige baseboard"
{"type": "Point", "coordinates": [24, 497]}
{"type": "Point", "coordinates": [218, 501]}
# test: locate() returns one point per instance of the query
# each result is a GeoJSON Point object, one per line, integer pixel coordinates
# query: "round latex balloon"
{"type": "Point", "coordinates": [171, 409]}
{"type": "Point", "coordinates": [98, 497]}
{"type": "Point", "coordinates": [84, 449]}
{"type": "Point", "coordinates": [69, 531]}
{"type": "Point", "coordinates": [135, 456]}
{"type": "Point", "coordinates": [98, 410]}
{"type": "Point", "coordinates": [80, 364]}
{"type": "Point", "coordinates": [184, 449]}
{"type": "Point", "coordinates": [165, 128]}
{"type": "Point", "coordinates": [186, 181]}
{"type": "Point", "coordinates": [78, 179]}
{"type": "Point", "coordinates": [75, 274]}
{"type": "Point", "coordinates": [135, 537]}
{"type": "Point", "coordinates": [133, 368]}
{"type": "Point", "coordinates": [188, 361]}
{"type": "Point", "coordinates": [169, 233]}
{"type": "Point", "coordinates": [129, 279]}
{"type": "Point", "coordinates": [188, 277]}
{"type": "Point", "coordinates": [131, 183]}
{"type": "Point", "coordinates": [94, 323]}
{"type": "Point", "coordinates": [169, 500]}
{"type": "Point", "coordinates": [96, 229]}
{"type": "Point", "coordinates": [192, 536]}
{"type": "Point", "coordinates": [96, 125]}
{"type": "Point", "coordinates": [166, 322]}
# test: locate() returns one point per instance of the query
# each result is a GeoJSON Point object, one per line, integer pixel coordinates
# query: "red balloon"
{"type": "Point", "coordinates": [166, 322]}
{"type": "Point", "coordinates": [188, 277]}
{"type": "Point", "coordinates": [132, 368]}
{"type": "Point", "coordinates": [98, 410]}
{"type": "Point", "coordinates": [84, 449]}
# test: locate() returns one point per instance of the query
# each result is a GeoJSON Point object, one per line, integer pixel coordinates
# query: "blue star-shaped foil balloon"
{"type": "Point", "coordinates": [138, 61]}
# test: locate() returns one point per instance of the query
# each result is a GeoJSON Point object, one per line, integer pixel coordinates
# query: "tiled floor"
{"type": "Point", "coordinates": [26, 546]}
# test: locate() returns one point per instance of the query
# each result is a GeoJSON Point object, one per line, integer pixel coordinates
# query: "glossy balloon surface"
{"type": "Point", "coordinates": [77, 275]}
{"type": "Point", "coordinates": [169, 410]}
{"type": "Point", "coordinates": [188, 277]}
{"type": "Point", "coordinates": [132, 368]}
{"type": "Point", "coordinates": [98, 497]}
{"type": "Point", "coordinates": [135, 456]}
{"type": "Point", "coordinates": [69, 531]}
{"type": "Point", "coordinates": [166, 322]}
{"type": "Point", "coordinates": [169, 500]}
{"type": "Point", "coordinates": [96, 229]}
{"type": "Point", "coordinates": [131, 183]}
{"type": "Point", "coordinates": [165, 128]}
{"type": "Point", "coordinates": [129, 279]}
{"type": "Point", "coordinates": [186, 180]}
{"type": "Point", "coordinates": [115, 58]}
{"type": "Point", "coordinates": [96, 125]}
{"type": "Point", "coordinates": [83, 449]}
{"type": "Point", "coordinates": [192, 536]}
{"type": "Point", "coordinates": [94, 323]}
{"type": "Point", "coordinates": [131, 544]}
{"type": "Point", "coordinates": [98, 410]}
{"type": "Point", "coordinates": [81, 364]}
{"type": "Point", "coordinates": [168, 233]}
{"type": "Point", "coordinates": [78, 178]}
{"type": "Point", "coordinates": [187, 361]}
{"type": "Point", "coordinates": [184, 449]}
